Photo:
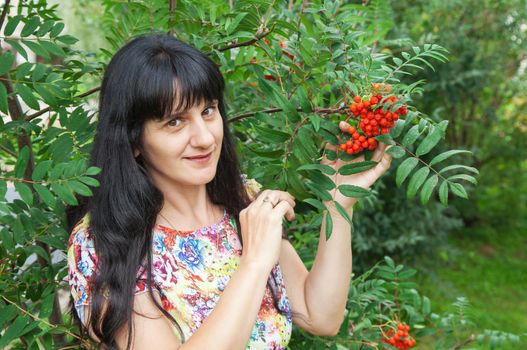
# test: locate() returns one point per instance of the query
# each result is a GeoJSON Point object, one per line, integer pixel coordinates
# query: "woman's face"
{"type": "Point", "coordinates": [184, 149]}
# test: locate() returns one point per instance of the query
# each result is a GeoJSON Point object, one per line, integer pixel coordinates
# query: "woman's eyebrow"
{"type": "Point", "coordinates": [182, 112]}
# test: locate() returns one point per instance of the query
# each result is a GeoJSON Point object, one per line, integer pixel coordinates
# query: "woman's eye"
{"type": "Point", "coordinates": [174, 122]}
{"type": "Point", "coordinates": [209, 110]}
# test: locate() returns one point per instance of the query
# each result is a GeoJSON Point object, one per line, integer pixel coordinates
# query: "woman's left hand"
{"type": "Point", "coordinates": [364, 179]}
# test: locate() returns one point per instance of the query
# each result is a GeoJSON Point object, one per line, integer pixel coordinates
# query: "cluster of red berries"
{"type": "Point", "coordinates": [399, 338]}
{"type": "Point", "coordinates": [375, 118]}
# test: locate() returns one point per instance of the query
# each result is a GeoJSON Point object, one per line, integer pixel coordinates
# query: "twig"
{"type": "Point", "coordinates": [8, 151]}
{"type": "Point", "coordinates": [172, 4]}
{"type": "Point", "coordinates": [5, 10]}
{"type": "Point", "coordinates": [37, 318]}
{"type": "Point", "coordinates": [248, 42]}
{"type": "Point", "coordinates": [469, 340]}
{"type": "Point", "coordinates": [47, 109]}
{"type": "Point", "coordinates": [276, 110]}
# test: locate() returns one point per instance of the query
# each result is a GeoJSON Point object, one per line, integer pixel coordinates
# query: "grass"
{"type": "Point", "coordinates": [489, 267]}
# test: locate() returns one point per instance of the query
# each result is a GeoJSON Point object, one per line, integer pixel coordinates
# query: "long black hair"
{"type": "Point", "coordinates": [138, 85]}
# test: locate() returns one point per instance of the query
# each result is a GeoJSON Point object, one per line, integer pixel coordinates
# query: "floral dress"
{"type": "Point", "coordinates": [190, 271]}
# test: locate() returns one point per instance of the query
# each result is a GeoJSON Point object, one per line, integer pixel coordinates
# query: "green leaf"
{"type": "Point", "coordinates": [18, 48]}
{"type": "Point", "coordinates": [37, 48]}
{"type": "Point", "coordinates": [30, 26]}
{"type": "Point", "coordinates": [80, 188]}
{"type": "Point", "coordinates": [52, 48]}
{"type": "Point", "coordinates": [90, 181]}
{"type": "Point", "coordinates": [21, 162]}
{"type": "Point", "coordinates": [45, 194]}
{"type": "Point", "coordinates": [389, 261]}
{"type": "Point", "coordinates": [318, 191]}
{"type": "Point", "coordinates": [6, 313]}
{"type": "Point", "coordinates": [57, 29]}
{"type": "Point", "coordinates": [426, 309]}
{"type": "Point", "coordinates": [53, 241]}
{"type": "Point", "coordinates": [404, 170]}
{"type": "Point", "coordinates": [4, 107]}
{"type": "Point", "coordinates": [358, 167]}
{"type": "Point", "coordinates": [411, 136]}
{"type": "Point", "coordinates": [315, 202]}
{"type": "Point", "coordinates": [14, 331]}
{"type": "Point", "coordinates": [353, 191]}
{"type": "Point", "coordinates": [429, 142]}
{"type": "Point", "coordinates": [3, 189]}
{"type": "Point", "coordinates": [416, 181]}
{"type": "Point", "coordinates": [443, 193]}
{"type": "Point", "coordinates": [445, 155]}
{"type": "Point", "coordinates": [343, 212]}
{"type": "Point", "coordinates": [47, 96]}
{"type": "Point", "coordinates": [27, 96]}
{"type": "Point", "coordinates": [397, 129]}
{"type": "Point", "coordinates": [384, 138]}
{"type": "Point", "coordinates": [47, 306]}
{"type": "Point", "coordinates": [458, 190]}
{"type": "Point", "coordinates": [397, 61]}
{"type": "Point", "coordinates": [25, 192]}
{"type": "Point", "coordinates": [11, 25]}
{"type": "Point", "coordinates": [326, 169]}
{"type": "Point", "coordinates": [466, 177]}
{"type": "Point", "coordinates": [6, 62]}
{"type": "Point", "coordinates": [459, 166]}
{"type": "Point", "coordinates": [272, 135]}
{"type": "Point", "coordinates": [41, 170]}
{"type": "Point", "coordinates": [428, 188]}
{"type": "Point", "coordinates": [329, 226]}
{"type": "Point", "coordinates": [64, 193]}
{"type": "Point", "coordinates": [396, 151]}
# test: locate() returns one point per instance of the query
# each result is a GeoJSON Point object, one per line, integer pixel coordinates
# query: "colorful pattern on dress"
{"type": "Point", "coordinates": [190, 270]}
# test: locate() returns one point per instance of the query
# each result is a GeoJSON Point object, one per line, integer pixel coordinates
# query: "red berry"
{"type": "Point", "coordinates": [374, 100]}
{"type": "Point", "coordinates": [352, 129]}
{"type": "Point", "coordinates": [355, 136]}
{"type": "Point", "coordinates": [357, 99]}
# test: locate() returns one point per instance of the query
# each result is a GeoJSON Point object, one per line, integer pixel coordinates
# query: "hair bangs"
{"type": "Point", "coordinates": [173, 82]}
{"type": "Point", "coordinates": [195, 82]}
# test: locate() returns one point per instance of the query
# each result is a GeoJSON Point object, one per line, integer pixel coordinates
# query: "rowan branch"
{"type": "Point", "coordinates": [47, 109]}
{"type": "Point", "coordinates": [248, 42]}
{"type": "Point", "coordinates": [276, 110]}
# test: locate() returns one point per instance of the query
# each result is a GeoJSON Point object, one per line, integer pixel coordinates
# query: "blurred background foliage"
{"type": "Point", "coordinates": [474, 248]}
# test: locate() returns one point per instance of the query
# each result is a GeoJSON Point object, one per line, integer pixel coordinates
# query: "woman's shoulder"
{"type": "Point", "coordinates": [80, 234]}
{"type": "Point", "coordinates": [81, 249]}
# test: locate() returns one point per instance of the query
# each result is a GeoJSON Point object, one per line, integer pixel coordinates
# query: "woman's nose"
{"type": "Point", "coordinates": [201, 134]}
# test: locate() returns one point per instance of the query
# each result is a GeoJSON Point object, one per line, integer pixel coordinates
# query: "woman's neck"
{"type": "Point", "coordinates": [188, 208]}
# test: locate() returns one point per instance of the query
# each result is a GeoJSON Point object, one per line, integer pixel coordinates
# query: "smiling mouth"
{"type": "Point", "coordinates": [204, 156]}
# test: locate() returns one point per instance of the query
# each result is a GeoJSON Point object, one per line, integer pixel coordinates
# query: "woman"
{"type": "Point", "coordinates": [155, 256]}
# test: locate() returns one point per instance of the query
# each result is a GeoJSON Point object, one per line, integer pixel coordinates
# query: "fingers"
{"type": "Point", "coordinates": [273, 197]}
{"type": "Point", "coordinates": [285, 209]}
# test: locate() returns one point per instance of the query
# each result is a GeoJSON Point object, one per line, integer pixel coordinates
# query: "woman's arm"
{"type": "Point", "coordinates": [320, 295]}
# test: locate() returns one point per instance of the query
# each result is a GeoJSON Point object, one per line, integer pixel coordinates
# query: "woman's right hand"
{"type": "Point", "coordinates": [261, 227]}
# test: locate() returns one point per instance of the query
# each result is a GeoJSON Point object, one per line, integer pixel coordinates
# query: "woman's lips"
{"type": "Point", "coordinates": [200, 159]}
